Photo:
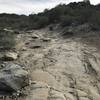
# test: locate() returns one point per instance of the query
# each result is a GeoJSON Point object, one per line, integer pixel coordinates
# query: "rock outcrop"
{"type": "Point", "coordinates": [12, 78]}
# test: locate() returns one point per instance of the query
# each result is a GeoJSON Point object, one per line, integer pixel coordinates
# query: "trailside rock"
{"type": "Point", "coordinates": [10, 56]}
{"type": "Point", "coordinates": [12, 78]}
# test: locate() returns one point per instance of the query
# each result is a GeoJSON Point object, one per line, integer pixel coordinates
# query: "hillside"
{"type": "Point", "coordinates": [58, 61]}
{"type": "Point", "coordinates": [67, 15]}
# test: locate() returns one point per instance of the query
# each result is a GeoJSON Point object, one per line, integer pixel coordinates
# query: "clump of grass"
{"type": "Point", "coordinates": [7, 40]}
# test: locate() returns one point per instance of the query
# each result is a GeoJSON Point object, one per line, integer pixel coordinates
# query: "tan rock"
{"type": "Point", "coordinates": [69, 96]}
{"type": "Point", "coordinates": [38, 94]}
{"type": "Point", "coordinates": [42, 76]}
{"type": "Point", "coordinates": [10, 56]}
{"type": "Point", "coordinates": [55, 95]}
{"type": "Point", "coordinates": [82, 93]}
{"type": "Point", "coordinates": [47, 78]}
{"type": "Point", "coordinates": [94, 94]}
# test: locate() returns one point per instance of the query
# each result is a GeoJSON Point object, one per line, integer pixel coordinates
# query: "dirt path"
{"type": "Point", "coordinates": [60, 69]}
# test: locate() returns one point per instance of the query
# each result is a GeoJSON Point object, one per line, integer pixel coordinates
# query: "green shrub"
{"type": "Point", "coordinates": [66, 20]}
{"type": "Point", "coordinates": [37, 21]}
{"type": "Point", "coordinates": [71, 14]}
{"type": "Point", "coordinates": [42, 21]}
{"type": "Point", "coordinates": [7, 40]}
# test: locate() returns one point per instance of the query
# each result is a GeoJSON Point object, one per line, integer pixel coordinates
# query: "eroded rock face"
{"type": "Point", "coordinates": [12, 78]}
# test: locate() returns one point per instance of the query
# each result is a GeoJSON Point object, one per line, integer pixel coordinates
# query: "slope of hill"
{"type": "Point", "coordinates": [60, 61]}
{"type": "Point", "coordinates": [60, 66]}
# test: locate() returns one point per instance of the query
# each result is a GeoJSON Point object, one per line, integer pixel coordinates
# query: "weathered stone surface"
{"type": "Point", "coordinates": [63, 69]}
{"type": "Point", "coordinates": [48, 78]}
{"type": "Point", "coordinates": [41, 91]}
{"type": "Point", "coordinates": [10, 56]}
{"type": "Point", "coordinates": [38, 94]}
{"type": "Point", "coordinates": [81, 93]}
{"type": "Point", "coordinates": [42, 76]}
{"type": "Point", "coordinates": [12, 78]}
{"type": "Point", "coordinates": [55, 95]}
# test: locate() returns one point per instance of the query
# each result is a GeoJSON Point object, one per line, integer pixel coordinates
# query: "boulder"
{"type": "Point", "coordinates": [12, 78]}
{"type": "Point", "coordinates": [10, 56]}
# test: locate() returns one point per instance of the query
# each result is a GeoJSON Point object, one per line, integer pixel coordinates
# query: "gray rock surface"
{"type": "Point", "coordinates": [12, 78]}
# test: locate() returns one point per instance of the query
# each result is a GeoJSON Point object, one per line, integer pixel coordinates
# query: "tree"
{"type": "Point", "coordinates": [87, 1]}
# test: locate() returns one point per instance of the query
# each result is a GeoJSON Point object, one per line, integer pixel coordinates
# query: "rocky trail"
{"type": "Point", "coordinates": [59, 69]}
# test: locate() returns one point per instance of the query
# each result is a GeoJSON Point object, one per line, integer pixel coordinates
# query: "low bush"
{"type": "Point", "coordinates": [7, 40]}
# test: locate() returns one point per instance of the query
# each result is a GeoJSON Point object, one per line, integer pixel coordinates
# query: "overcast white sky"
{"type": "Point", "coordinates": [32, 6]}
